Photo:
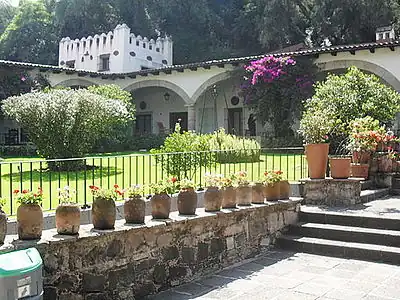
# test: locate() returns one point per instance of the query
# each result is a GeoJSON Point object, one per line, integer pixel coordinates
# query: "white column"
{"type": "Point", "coordinates": [191, 117]}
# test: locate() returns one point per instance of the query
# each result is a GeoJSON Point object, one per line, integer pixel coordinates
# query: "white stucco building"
{"type": "Point", "coordinates": [118, 51]}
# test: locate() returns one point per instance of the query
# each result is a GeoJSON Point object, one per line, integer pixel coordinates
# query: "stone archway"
{"type": "Point", "coordinates": [209, 83]}
{"type": "Point", "coordinates": [379, 71]}
{"type": "Point", "coordinates": [160, 84]}
{"type": "Point", "coordinates": [75, 82]}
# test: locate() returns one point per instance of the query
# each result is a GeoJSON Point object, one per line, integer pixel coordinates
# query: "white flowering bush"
{"type": "Point", "coordinates": [66, 123]}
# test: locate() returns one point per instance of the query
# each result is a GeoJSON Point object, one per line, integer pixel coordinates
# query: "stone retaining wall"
{"type": "Point", "coordinates": [137, 260]}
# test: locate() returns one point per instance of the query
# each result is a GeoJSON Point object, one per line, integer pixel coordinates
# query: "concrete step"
{"type": "Point", "coordinates": [372, 195]}
{"type": "Point", "coordinates": [346, 219]}
{"type": "Point", "coordinates": [362, 251]}
{"type": "Point", "coordinates": [367, 185]}
{"type": "Point", "coordinates": [347, 233]}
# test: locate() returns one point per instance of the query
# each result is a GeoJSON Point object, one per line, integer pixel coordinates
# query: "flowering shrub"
{"type": "Point", "coordinates": [228, 181]}
{"type": "Point", "coordinates": [365, 134]}
{"type": "Point", "coordinates": [134, 191]}
{"type": "Point", "coordinates": [271, 177]}
{"type": "Point", "coordinates": [185, 184]}
{"type": "Point", "coordinates": [315, 126]}
{"type": "Point", "coordinates": [166, 186]}
{"type": "Point", "coordinates": [241, 178]}
{"type": "Point", "coordinates": [106, 194]}
{"type": "Point", "coordinates": [29, 197]}
{"type": "Point", "coordinates": [213, 180]}
{"type": "Point", "coordinates": [66, 195]}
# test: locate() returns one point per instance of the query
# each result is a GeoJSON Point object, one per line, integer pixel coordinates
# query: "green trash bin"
{"type": "Point", "coordinates": [21, 275]}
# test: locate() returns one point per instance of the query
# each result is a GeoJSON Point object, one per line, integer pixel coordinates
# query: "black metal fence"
{"type": "Point", "coordinates": [143, 169]}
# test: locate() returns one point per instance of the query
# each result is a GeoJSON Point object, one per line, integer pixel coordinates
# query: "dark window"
{"type": "Point", "coordinates": [142, 105]}
{"type": "Point", "coordinates": [132, 53]}
{"type": "Point", "coordinates": [178, 117]}
{"type": "Point", "coordinates": [151, 47]}
{"type": "Point", "coordinates": [116, 53]}
{"type": "Point", "coordinates": [143, 124]}
{"type": "Point", "coordinates": [104, 40]}
{"type": "Point", "coordinates": [72, 47]}
{"type": "Point", "coordinates": [84, 44]}
{"type": "Point", "coordinates": [164, 61]}
{"type": "Point", "coordinates": [381, 36]}
{"type": "Point", "coordinates": [104, 63]}
{"type": "Point", "coordinates": [97, 42]}
{"type": "Point", "coordinates": [235, 100]}
{"type": "Point", "coordinates": [387, 35]}
{"type": "Point", "coordinates": [91, 43]}
{"type": "Point", "coordinates": [144, 45]}
{"type": "Point", "coordinates": [77, 45]}
{"type": "Point", "coordinates": [83, 59]}
{"type": "Point", "coordinates": [144, 68]}
{"type": "Point", "coordinates": [130, 40]}
{"type": "Point", "coordinates": [137, 43]}
{"type": "Point", "coordinates": [67, 47]}
{"type": "Point", "coordinates": [70, 64]}
{"type": "Point", "coordinates": [149, 58]}
{"type": "Point", "coordinates": [158, 49]}
{"type": "Point", "coordinates": [111, 37]}
{"type": "Point", "coordinates": [91, 57]}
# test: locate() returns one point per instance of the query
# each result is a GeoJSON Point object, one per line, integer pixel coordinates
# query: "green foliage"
{"type": "Point", "coordinates": [316, 125]}
{"type": "Point", "coordinates": [18, 151]}
{"type": "Point", "coordinates": [106, 194]}
{"type": "Point", "coordinates": [343, 98]}
{"type": "Point", "coordinates": [3, 202]}
{"type": "Point", "coordinates": [27, 197]}
{"type": "Point", "coordinates": [66, 195]}
{"type": "Point", "coordinates": [65, 123]}
{"type": "Point", "coordinates": [134, 191]}
{"type": "Point", "coordinates": [165, 186]}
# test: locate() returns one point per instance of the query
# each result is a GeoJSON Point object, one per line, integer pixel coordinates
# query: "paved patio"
{"type": "Point", "coordinates": [299, 276]}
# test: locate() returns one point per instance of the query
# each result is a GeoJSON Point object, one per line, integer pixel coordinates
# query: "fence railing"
{"type": "Point", "coordinates": [143, 169]}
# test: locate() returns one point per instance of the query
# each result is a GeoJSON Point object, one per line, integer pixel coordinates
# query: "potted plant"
{"type": "Point", "coordinates": [161, 201]}
{"type": "Point", "coordinates": [29, 214]}
{"type": "Point", "coordinates": [228, 192]}
{"type": "Point", "coordinates": [3, 221]}
{"type": "Point", "coordinates": [244, 193]}
{"type": "Point", "coordinates": [385, 161]}
{"type": "Point", "coordinates": [284, 187]}
{"type": "Point", "coordinates": [187, 197]}
{"type": "Point", "coordinates": [103, 208]}
{"type": "Point", "coordinates": [272, 185]}
{"type": "Point", "coordinates": [68, 213]}
{"type": "Point", "coordinates": [340, 166]}
{"type": "Point", "coordinates": [134, 205]}
{"type": "Point", "coordinates": [257, 196]}
{"type": "Point", "coordinates": [213, 194]}
{"type": "Point", "coordinates": [315, 127]}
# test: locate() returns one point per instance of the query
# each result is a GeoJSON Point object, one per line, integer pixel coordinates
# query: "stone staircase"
{"type": "Point", "coordinates": [347, 233]}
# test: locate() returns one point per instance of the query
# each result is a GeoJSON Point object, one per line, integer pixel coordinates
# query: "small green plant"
{"type": "Point", "coordinates": [272, 177]}
{"type": "Point", "coordinates": [166, 186]}
{"type": "Point", "coordinates": [134, 191]}
{"type": "Point", "coordinates": [315, 126]}
{"type": "Point", "coordinates": [106, 194]}
{"type": "Point", "coordinates": [241, 178]}
{"type": "Point", "coordinates": [213, 180]}
{"type": "Point", "coordinates": [66, 195]}
{"type": "Point", "coordinates": [27, 197]}
{"type": "Point", "coordinates": [186, 184]}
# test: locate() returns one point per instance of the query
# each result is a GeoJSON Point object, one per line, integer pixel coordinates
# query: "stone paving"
{"type": "Point", "coordinates": [282, 275]}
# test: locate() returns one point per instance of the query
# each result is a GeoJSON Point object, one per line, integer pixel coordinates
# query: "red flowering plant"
{"type": "Point", "coordinates": [272, 177]}
{"type": "Point", "coordinates": [27, 197]}
{"type": "Point", "coordinates": [107, 194]}
{"type": "Point", "coordinates": [365, 134]}
{"type": "Point", "coordinates": [241, 178]}
{"type": "Point", "coordinates": [166, 186]}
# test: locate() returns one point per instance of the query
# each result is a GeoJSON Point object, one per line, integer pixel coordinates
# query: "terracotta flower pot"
{"type": "Point", "coordinates": [340, 167]}
{"type": "Point", "coordinates": [244, 195]}
{"type": "Point", "coordinates": [229, 197]}
{"type": "Point", "coordinates": [30, 221]}
{"type": "Point", "coordinates": [135, 210]}
{"type": "Point", "coordinates": [272, 191]}
{"type": "Point", "coordinates": [359, 170]}
{"type": "Point", "coordinates": [385, 164]}
{"type": "Point", "coordinates": [317, 159]}
{"type": "Point", "coordinates": [3, 226]}
{"type": "Point", "coordinates": [213, 199]}
{"type": "Point", "coordinates": [373, 168]}
{"type": "Point", "coordinates": [258, 194]}
{"type": "Point", "coordinates": [160, 206]}
{"type": "Point", "coordinates": [284, 190]}
{"type": "Point", "coordinates": [103, 214]}
{"type": "Point", "coordinates": [362, 157]}
{"type": "Point", "coordinates": [68, 219]}
{"type": "Point", "coordinates": [187, 202]}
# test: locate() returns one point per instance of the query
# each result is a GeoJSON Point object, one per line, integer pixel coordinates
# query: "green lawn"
{"type": "Point", "coordinates": [124, 170]}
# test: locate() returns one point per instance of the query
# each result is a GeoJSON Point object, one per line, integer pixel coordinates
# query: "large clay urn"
{"type": "Point", "coordinates": [385, 164]}
{"type": "Point", "coordinates": [213, 199]}
{"type": "Point", "coordinates": [258, 194]}
{"type": "Point", "coordinates": [317, 159]}
{"type": "Point", "coordinates": [68, 219]}
{"type": "Point", "coordinates": [340, 167]}
{"type": "Point", "coordinates": [103, 214]}
{"type": "Point", "coordinates": [30, 221]}
{"type": "Point", "coordinates": [160, 206]}
{"type": "Point", "coordinates": [360, 171]}
{"type": "Point", "coordinates": [3, 226]}
{"type": "Point", "coordinates": [244, 195]}
{"type": "Point", "coordinates": [272, 191]}
{"type": "Point", "coordinates": [187, 202]}
{"type": "Point", "coordinates": [229, 197]}
{"type": "Point", "coordinates": [135, 210]}
{"type": "Point", "coordinates": [284, 190]}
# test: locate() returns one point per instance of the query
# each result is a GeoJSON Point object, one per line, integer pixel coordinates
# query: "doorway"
{"type": "Point", "coordinates": [235, 121]}
{"type": "Point", "coordinates": [178, 117]}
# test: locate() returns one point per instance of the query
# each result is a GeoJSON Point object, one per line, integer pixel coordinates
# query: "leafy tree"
{"type": "Point", "coordinates": [30, 35]}
{"type": "Point", "coordinates": [65, 123]}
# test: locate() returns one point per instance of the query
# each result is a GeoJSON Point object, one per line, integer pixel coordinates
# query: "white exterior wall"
{"type": "Point", "coordinates": [125, 55]}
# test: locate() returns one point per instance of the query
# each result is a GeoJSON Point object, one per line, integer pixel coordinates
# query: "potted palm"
{"type": "Point", "coordinates": [244, 194]}
{"type": "Point", "coordinates": [68, 213]}
{"type": "Point", "coordinates": [103, 208]}
{"type": "Point", "coordinates": [161, 200]}
{"type": "Point", "coordinates": [272, 185]}
{"type": "Point", "coordinates": [213, 194]}
{"type": "Point", "coordinates": [3, 221]}
{"type": "Point", "coordinates": [187, 197]}
{"type": "Point", "coordinates": [134, 205]}
{"type": "Point", "coordinates": [228, 192]}
{"type": "Point", "coordinates": [315, 127]}
{"type": "Point", "coordinates": [29, 214]}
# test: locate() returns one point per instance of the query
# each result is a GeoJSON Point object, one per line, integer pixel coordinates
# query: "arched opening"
{"type": "Point", "coordinates": [75, 83]}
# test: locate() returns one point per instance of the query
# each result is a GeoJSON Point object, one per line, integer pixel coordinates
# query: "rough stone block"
{"type": "Point", "coordinates": [170, 253]}
{"type": "Point", "coordinates": [230, 243]}
{"type": "Point", "coordinates": [188, 255]}
{"type": "Point", "coordinates": [202, 251]}
{"type": "Point", "coordinates": [93, 282]}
